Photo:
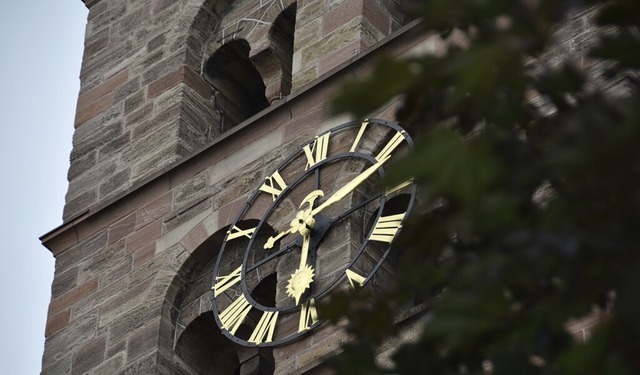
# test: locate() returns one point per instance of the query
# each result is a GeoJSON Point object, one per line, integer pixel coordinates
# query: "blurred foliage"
{"type": "Point", "coordinates": [530, 181]}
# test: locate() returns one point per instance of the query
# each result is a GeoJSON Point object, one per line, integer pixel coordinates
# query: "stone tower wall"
{"type": "Point", "coordinates": [154, 183]}
{"type": "Point", "coordinates": [144, 101]}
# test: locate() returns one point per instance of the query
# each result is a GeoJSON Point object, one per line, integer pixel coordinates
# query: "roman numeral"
{"type": "Point", "coordinates": [308, 315]}
{"type": "Point", "coordinates": [386, 228]}
{"type": "Point", "coordinates": [399, 186]}
{"type": "Point", "coordinates": [225, 282]}
{"type": "Point", "coordinates": [359, 136]}
{"type": "Point", "coordinates": [354, 278]}
{"type": "Point", "coordinates": [274, 185]}
{"type": "Point", "coordinates": [236, 232]}
{"type": "Point", "coordinates": [265, 328]}
{"type": "Point", "coordinates": [388, 149]}
{"type": "Point", "coordinates": [317, 151]}
{"type": "Point", "coordinates": [234, 314]}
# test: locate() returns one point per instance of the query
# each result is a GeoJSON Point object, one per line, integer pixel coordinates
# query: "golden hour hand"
{"type": "Point", "coordinates": [273, 239]}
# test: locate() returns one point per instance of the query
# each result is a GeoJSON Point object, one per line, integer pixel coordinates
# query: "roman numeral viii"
{"type": "Point", "coordinates": [234, 314]}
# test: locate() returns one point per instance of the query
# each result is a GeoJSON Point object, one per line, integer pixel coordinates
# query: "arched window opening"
{"type": "Point", "coordinates": [282, 34]}
{"type": "Point", "coordinates": [275, 60]}
{"type": "Point", "coordinates": [265, 294]}
{"type": "Point", "coordinates": [200, 347]}
{"type": "Point", "coordinates": [203, 350]}
{"type": "Point", "coordinates": [238, 87]}
{"type": "Point", "coordinates": [259, 361]}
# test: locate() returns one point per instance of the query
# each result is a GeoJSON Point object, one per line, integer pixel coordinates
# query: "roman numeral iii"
{"type": "Point", "coordinates": [386, 228]}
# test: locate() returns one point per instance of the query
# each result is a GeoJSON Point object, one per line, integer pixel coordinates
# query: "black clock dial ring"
{"type": "Point", "coordinates": [323, 224]}
{"type": "Point", "coordinates": [343, 230]}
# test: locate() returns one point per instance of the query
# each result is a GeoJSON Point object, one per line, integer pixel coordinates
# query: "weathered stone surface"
{"type": "Point", "coordinates": [79, 204]}
{"type": "Point", "coordinates": [115, 183]}
{"type": "Point", "coordinates": [123, 304]}
{"type": "Point", "coordinates": [174, 233]}
{"type": "Point", "coordinates": [89, 356]}
{"type": "Point", "coordinates": [158, 160]}
{"type": "Point", "coordinates": [144, 254]}
{"type": "Point", "coordinates": [94, 109]}
{"type": "Point", "coordinates": [91, 178]}
{"type": "Point", "coordinates": [107, 87]}
{"type": "Point", "coordinates": [154, 210]}
{"type": "Point", "coordinates": [57, 321]}
{"type": "Point", "coordinates": [110, 366]}
{"type": "Point", "coordinates": [62, 366]}
{"type": "Point", "coordinates": [121, 328]}
{"type": "Point", "coordinates": [126, 89]}
{"type": "Point", "coordinates": [64, 281]}
{"type": "Point", "coordinates": [143, 340]}
{"type": "Point", "coordinates": [76, 254]}
{"type": "Point", "coordinates": [103, 261]}
{"type": "Point", "coordinates": [134, 102]}
{"type": "Point", "coordinates": [59, 344]}
{"type": "Point", "coordinates": [145, 365]}
{"type": "Point", "coordinates": [186, 214]}
{"type": "Point", "coordinates": [144, 236]}
{"type": "Point", "coordinates": [109, 289]}
{"type": "Point", "coordinates": [96, 133]}
{"type": "Point", "coordinates": [114, 146]}
{"type": "Point", "coordinates": [74, 295]}
{"type": "Point", "coordinates": [309, 11]}
{"type": "Point", "coordinates": [193, 189]}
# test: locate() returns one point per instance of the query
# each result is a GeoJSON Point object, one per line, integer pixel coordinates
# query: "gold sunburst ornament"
{"type": "Point", "coordinates": [300, 281]}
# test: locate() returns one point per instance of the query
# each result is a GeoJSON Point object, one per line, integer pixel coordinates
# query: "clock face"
{"type": "Point", "coordinates": [321, 220]}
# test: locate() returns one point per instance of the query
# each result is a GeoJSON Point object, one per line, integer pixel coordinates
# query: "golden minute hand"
{"type": "Point", "coordinates": [348, 188]}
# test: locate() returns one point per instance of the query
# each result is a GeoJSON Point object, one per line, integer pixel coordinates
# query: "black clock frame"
{"type": "Point", "coordinates": [323, 224]}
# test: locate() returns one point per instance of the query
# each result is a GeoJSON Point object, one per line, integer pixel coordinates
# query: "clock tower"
{"type": "Point", "coordinates": [212, 198]}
